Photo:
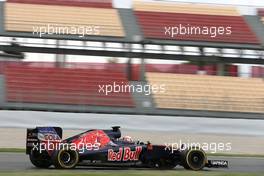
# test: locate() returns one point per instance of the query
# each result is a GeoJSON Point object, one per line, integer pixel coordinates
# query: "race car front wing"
{"type": "Point", "coordinates": [217, 164]}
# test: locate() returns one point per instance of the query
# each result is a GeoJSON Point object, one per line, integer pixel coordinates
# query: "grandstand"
{"type": "Point", "coordinates": [208, 83]}
{"type": "Point", "coordinates": [21, 15]}
{"type": "Point", "coordinates": [63, 86]}
{"type": "Point", "coordinates": [153, 16]}
{"type": "Point", "coordinates": [212, 93]}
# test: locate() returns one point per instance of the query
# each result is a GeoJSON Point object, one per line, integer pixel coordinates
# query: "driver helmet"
{"type": "Point", "coordinates": [127, 139]}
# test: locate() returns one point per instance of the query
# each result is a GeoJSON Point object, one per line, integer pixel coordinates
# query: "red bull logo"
{"type": "Point", "coordinates": [125, 154]}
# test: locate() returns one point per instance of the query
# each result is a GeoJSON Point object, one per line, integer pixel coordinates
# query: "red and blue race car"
{"type": "Point", "coordinates": [96, 147]}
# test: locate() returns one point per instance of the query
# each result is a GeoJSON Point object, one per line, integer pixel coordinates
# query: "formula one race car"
{"type": "Point", "coordinates": [45, 147]}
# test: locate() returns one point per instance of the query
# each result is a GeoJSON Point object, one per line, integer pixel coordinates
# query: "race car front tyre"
{"type": "Point", "coordinates": [65, 158]}
{"type": "Point", "coordinates": [40, 159]}
{"type": "Point", "coordinates": [194, 159]}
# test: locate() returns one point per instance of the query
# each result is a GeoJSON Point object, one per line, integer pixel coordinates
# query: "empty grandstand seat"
{"type": "Point", "coordinates": [257, 71]}
{"type": "Point", "coordinates": [153, 17]}
{"type": "Point", "coordinates": [64, 86]}
{"type": "Point", "coordinates": [210, 93]}
{"type": "Point", "coordinates": [94, 17]}
{"type": "Point", "coordinates": [261, 15]}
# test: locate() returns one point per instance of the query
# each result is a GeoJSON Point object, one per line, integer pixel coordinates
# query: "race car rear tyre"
{"type": "Point", "coordinates": [65, 158]}
{"type": "Point", "coordinates": [194, 159]}
{"type": "Point", "coordinates": [40, 160]}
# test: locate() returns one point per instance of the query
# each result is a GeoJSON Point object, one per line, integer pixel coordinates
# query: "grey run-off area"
{"type": "Point", "coordinates": [26, 119]}
{"type": "Point", "coordinates": [245, 136]}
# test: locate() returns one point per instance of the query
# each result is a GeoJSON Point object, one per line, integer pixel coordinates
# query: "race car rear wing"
{"type": "Point", "coordinates": [39, 134]}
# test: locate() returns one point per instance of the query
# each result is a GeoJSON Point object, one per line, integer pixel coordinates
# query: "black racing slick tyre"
{"type": "Point", "coordinates": [193, 159]}
{"type": "Point", "coordinates": [65, 158]}
{"type": "Point", "coordinates": [40, 160]}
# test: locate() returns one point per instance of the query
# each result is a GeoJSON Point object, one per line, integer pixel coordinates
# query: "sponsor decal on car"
{"type": "Point", "coordinates": [218, 163]}
{"type": "Point", "coordinates": [49, 137]}
{"type": "Point", "coordinates": [124, 154]}
{"type": "Point", "coordinates": [48, 134]}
